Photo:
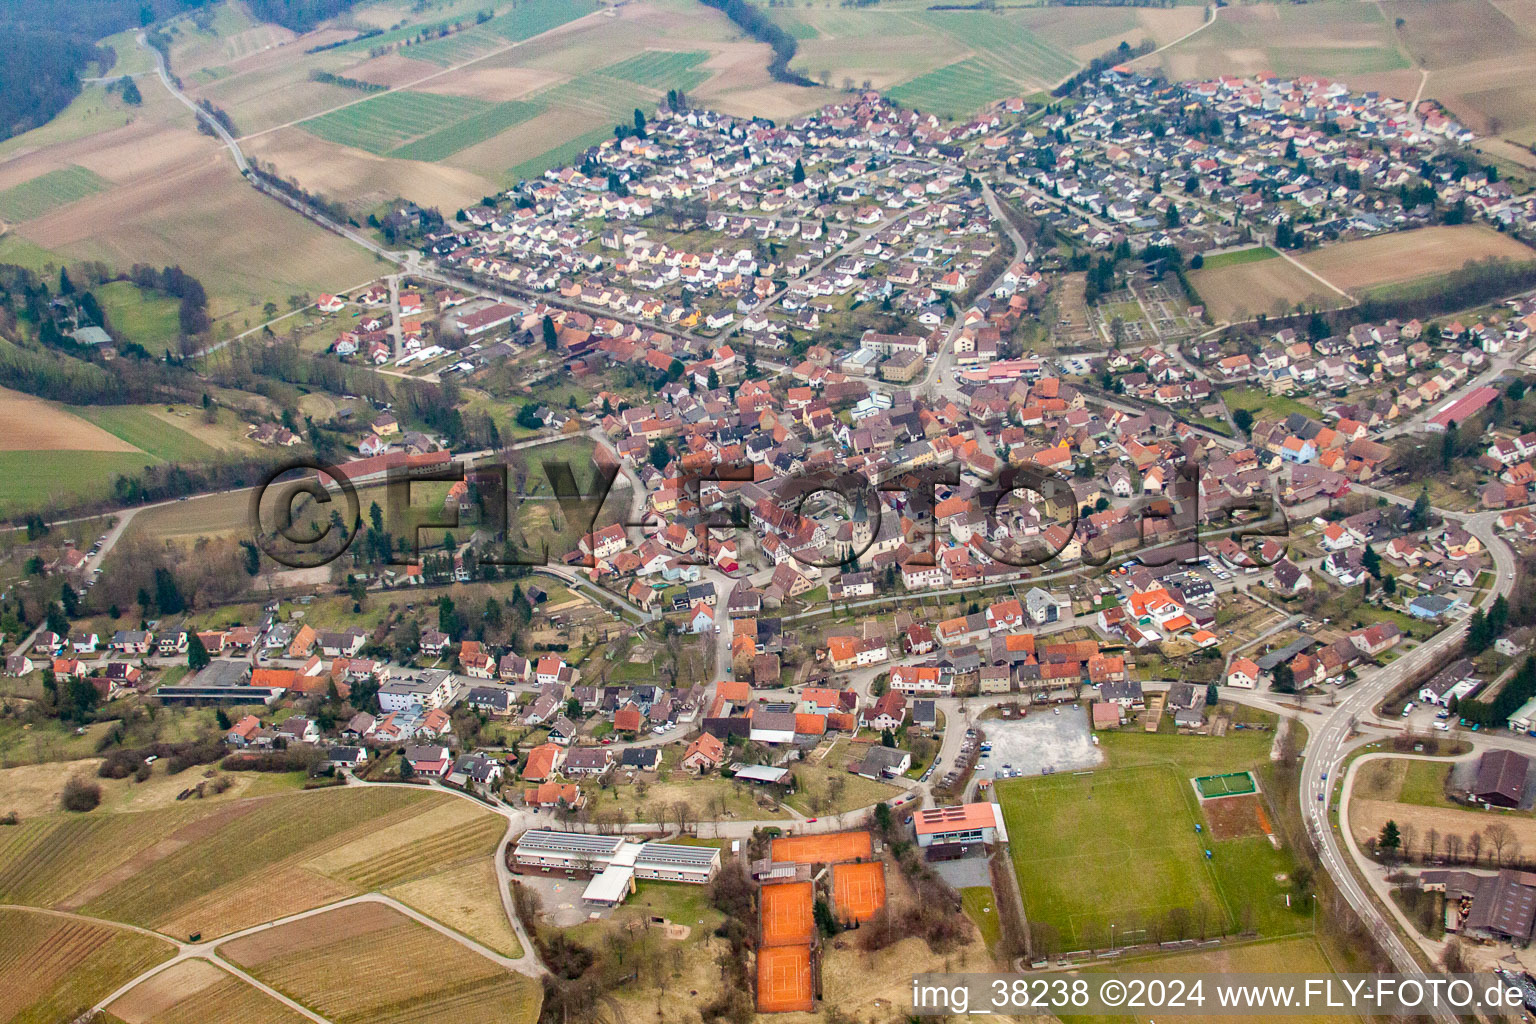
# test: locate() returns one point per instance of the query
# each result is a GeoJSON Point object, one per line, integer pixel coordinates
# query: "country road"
{"type": "Point", "coordinates": [1330, 739]}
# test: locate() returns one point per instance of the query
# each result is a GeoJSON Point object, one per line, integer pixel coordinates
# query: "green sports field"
{"type": "Point", "coordinates": [1107, 847]}
{"type": "Point", "coordinates": [47, 192]}
{"type": "Point", "coordinates": [1229, 784]}
{"type": "Point", "coordinates": [1120, 847]}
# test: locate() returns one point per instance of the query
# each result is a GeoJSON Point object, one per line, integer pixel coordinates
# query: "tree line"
{"type": "Point", "coordinates": [330, 78]}
{"type": "Point", "coordinates": [765, 30]}
{"type": "Point", "coordinates": [298, 15]}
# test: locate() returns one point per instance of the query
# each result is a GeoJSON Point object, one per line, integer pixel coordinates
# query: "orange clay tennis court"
{"type": "Point", "coordinates": [784, 979]}
{"type": "Point", "coordinates": [858, 890]}
{"type": "Point", "coordinates": [787, 917]}
{"type": "Point", "coordinates": [822, 849]}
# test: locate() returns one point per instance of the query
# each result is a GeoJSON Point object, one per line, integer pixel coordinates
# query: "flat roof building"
{"type": "Point", "coordinates": [614, 862]}
{"type": "Point", "coordinates": [566, 851]}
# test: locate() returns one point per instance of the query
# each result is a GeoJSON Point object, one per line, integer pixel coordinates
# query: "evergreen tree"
{"type": "Point", "coordinates": [551, 336]}
{"type": "Point", "coordinates": [1418, 519]}
{"type": "Point", "coordinates": [1371, 561]}
{"type": "Point", "coordinates": [168, 597]}
{"type": "Point", "coordinates": [197, 654]}
{"type": "Point", "coordinates": [799, 173]}
{"type": "Point", "coordinates": [1390, 839]}
{"type": "Point", "coordinates": [252, 557]}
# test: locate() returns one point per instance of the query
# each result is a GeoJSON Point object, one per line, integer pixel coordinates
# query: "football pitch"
{"type": "Point", "coordinates": [1115, 847]}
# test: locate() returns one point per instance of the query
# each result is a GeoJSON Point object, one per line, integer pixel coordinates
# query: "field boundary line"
{"type": "Point", "coordinates": [427, 78]}
{"type": "Point", "coordinates": [260, 986]}
{"type": "Point", "coordinates": [1207, 23]}
{"type": "Point", "coordinates": [1312, 273]}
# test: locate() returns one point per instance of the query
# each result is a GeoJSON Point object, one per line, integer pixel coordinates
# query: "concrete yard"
{"type": "Point", "coordinates": [1060, 742]}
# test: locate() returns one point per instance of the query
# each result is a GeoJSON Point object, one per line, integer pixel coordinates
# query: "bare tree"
{"type": "Point", "coordinates": [1452, 847]}
{"type": "Point", "coordinates": [1409, 835]}
{"type": "Point", "coordinates": [1431, 839]}
{"type": "Point", "coordinates": [1475, 847]}
{"type": "Point", "coordinates": [1454, 958]}
{"type": "Point", "coordinates": [682, 810]}
{"type": "Point", "coordinates": [1499, 835]}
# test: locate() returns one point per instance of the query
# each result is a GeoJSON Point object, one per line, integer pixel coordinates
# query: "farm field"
{"type": "Point", "coordinates": [190, 868]}
{"type": "Point", "coordinates": [1237, 257]}
{"type": "Point", "coordinates": [47, 191]}
{"type": "Point", "coordinates": [167, 196]}
{"type": "Point", "coordinates": [1284, 956]}
{"type": "Point", "coordinates": [1487, 87]}
{"type": "Point", "coordinates": [31, 424]}
{"type": "Point", "coordinates": [465, 899]}
{"type": "Point", "coordinates": [418, 125]}
{"type": "Point", "coordinates": [139, 426]}
{"type": "Point", "coordinates": [335, 963]}
{"type": "Point", "coordinates": [1409, 255]}
{"type": "Point", "coordinates": [661, 69]}
{"type": "Point", "coordinates": [1238, 292]}
{"type": "Point", "coordinates": [189, 992]}
{"type": "Point", "coordinates": [33, 480]}
{"type": "Point", "coordinates": [181, 216]}
{"type": "Point", "coordinates": [96, 443]}
{"type": "Point", "coordinates": [962, 87]}
{"type": "Point", "coordinates": [983, 56]}
{"type": "Point", "coordinates": [455, 135]}
{"type": "Point", "coordinates": [54, 968]}
{"type": "Point", "coordinates": [1340, 40]}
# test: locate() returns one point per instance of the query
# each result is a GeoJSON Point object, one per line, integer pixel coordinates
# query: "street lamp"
{"type": "Point", "coordinates": [1111, 935]}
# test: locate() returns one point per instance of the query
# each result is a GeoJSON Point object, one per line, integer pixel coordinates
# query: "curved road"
{"type": "Point", "coordinates": [1331, 738]}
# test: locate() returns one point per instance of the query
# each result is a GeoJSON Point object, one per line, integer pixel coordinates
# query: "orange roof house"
{"type": "Point", "coordinates": [627, 719]}
{"type": "Point", "coordinates": [542, 762]}
{"type": "Point", "coordinates": [734, 690]}
{"type": "Point", "coordinates": [303, 641]}
{"type": "Point", "coordinates": [284, 677]}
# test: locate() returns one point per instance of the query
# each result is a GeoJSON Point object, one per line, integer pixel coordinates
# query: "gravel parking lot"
{"type": "Point", "coordinates": [1043, 740]}
{"type": "Point", "coordinates": [560, 898]}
